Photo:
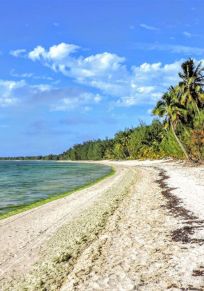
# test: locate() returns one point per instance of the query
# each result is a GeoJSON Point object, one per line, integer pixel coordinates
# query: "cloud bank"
{"type": "Point", "coordinates": [108, 73]}
{"type": "Point", "coordinates": [106, 76]}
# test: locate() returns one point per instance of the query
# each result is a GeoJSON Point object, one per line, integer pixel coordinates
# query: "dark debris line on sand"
{"type": "Point", "coordinates": [189, 220]}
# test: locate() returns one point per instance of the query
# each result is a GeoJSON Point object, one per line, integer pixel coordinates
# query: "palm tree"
{"type": "Point", "coordinates": [192, 82]}
{"type": "Point", "coordinates": [173, 112]}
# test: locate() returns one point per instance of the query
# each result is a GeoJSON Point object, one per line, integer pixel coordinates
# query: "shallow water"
{"type": "Point", "coordinates": [25, 182]}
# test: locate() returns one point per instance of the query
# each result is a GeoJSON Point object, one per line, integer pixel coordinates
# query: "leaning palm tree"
{"type": "Point", "coordinates": [173, 111]}
{"type": "Point", "coordinates": [192, 82]}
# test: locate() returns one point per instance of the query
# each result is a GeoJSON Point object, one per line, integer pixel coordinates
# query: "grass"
{"type": "Point", "coordinates": [23, 208]}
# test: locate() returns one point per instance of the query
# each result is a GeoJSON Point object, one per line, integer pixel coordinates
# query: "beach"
{"type": "Point", "coordinates": [140, 229]}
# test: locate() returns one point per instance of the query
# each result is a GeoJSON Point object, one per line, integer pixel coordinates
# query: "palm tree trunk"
{"type": "Point", "coordinates": [180, 144]}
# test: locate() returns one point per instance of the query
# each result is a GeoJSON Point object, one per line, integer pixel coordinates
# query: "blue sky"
{"type": "Point", "coordinates": [74, 70]}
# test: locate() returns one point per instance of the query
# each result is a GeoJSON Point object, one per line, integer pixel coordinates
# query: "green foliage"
{"type": "Point", "coordinates": [182, 109]}
{"type": "Point", "coordinates": [90, 150]}
{"type": "Point", "coordinates": [169, 147]}
{"type": "Point", "coordinates": [139, 142]}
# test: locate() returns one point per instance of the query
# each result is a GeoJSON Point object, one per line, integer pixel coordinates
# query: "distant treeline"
{"type": "Point", "coordinates": [142, 142]}
{"type": "Point", "coordinates": [33, 158]}
{"type": "Point", "coordinates": [179, 133]}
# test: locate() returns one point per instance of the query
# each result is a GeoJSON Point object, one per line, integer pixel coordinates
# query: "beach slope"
{"type": "Point", "coordinates": [141, 229]}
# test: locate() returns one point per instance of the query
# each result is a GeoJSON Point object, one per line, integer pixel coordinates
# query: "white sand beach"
{"type": "Point", "coordinates": [141, 229]}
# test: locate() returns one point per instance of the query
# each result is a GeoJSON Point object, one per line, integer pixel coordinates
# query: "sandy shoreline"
{"type": "Point", "coordinates": [141, 229]}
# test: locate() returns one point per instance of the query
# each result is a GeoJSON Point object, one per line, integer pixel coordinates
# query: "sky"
{"type": "Point", "coordinates": [75, 70]}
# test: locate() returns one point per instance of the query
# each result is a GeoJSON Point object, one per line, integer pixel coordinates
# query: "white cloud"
{"type": "Point", "coordinates": [150, 67]}
{"type": "Point", "coordinates": [97, 69]}
{"type": "Point", "coordinates": [27, 75]}
{"type": "Point", "coordinates": [148, 27]}
{"type": "Point", "coordinates": [10, 85]}
{"type": "Point", "coordinates": [175, 49]}
{"type": "Point", "coordinates": [55, 52]}
{"type": "Point", "coordinates": [37, 53]}
{"type": "Point", "coordinates": [24, 95]}
{"type": "Point", "coordinates": [61, 51]}
{"type": "Point", "coordinates": [149, 82]}
{"type": "Point", "coordinates": [127, 101]}
{"type": "Point", "coordinates": [187, 34]}
{"type": "Point", "coordinates": [104, 71]}
{"type": "Point", "coordinates": [149, 111]}
{"type": "Point", "coordinates": [42, 87]}
{"type": "Point", "coordinates": [190, 34]}
{"type": "Point", "coordinates": [18, 53]}
{"type": "Point", "coordinates": [84, 99]}
{"type": "Point", "coordinates": [7, 101]}
{"type": "Point", "coordinates": [7, 98]}
{"type": "Point", "coordinates": [22, 75]}
{"type": "Point", "coordinates": [108, 73]}
{"type": "Point", "coordinates": [97, 98]}
{"type": "Point", "coordinates": [146, 90]}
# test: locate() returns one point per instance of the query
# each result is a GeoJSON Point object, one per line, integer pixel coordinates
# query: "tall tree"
{"type": "Point", "coordinates": [173, 112]}
{"type": "Point", "coordinates": [192, 82]}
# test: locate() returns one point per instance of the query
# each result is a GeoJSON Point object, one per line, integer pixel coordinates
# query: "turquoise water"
{"type": "Point", "coordinates": [25, 182]}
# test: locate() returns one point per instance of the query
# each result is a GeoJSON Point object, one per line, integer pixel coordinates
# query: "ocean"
{"type": "Point", "coordinates": [26, 182]}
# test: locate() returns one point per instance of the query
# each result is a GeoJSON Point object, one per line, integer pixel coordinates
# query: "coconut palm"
{"type": "Point", "coordinates": [173, 111]}
{"type": "Point", "coordinates": [192, 82]}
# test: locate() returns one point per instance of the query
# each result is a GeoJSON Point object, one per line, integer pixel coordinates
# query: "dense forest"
{"type": "Point", "coordinates": [178, 130]}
